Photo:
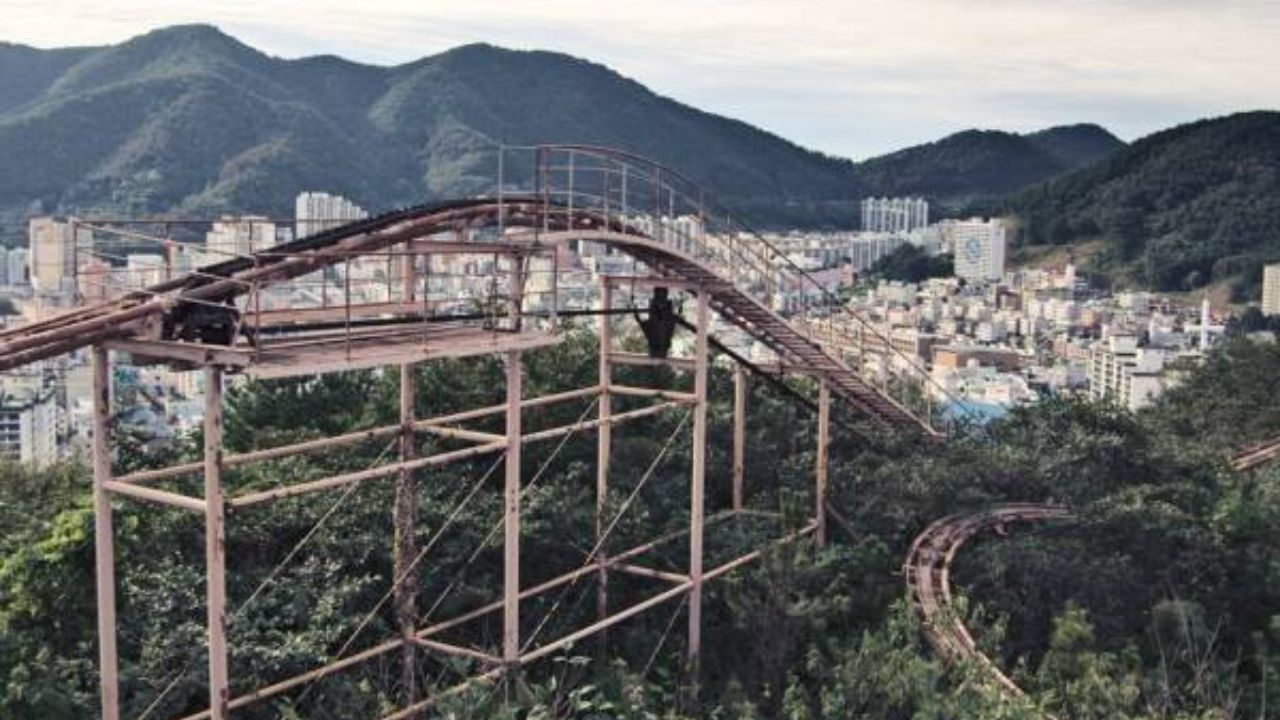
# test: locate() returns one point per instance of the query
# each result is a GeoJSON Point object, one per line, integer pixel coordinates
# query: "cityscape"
{"type": "Point", "coordinates": [990, 335]}
{"type": "Point", "coordinates": [787, 361]}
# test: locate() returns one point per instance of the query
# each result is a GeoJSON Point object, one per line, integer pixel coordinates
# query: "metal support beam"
{"type": "Point", "coordinates": [215, 544]}
{"type": "Point", "coordinates": [697, 499]}
{"type": "Point", "coordinates": [511, 519]}
{"type": "Point", "coordinates": [104, 538]}
{"type": "Point", "coordinates": [297, 681]}
{"type": "Point", "coordinates": [824, 441]}
{"type": "Point", "coordinates": [160, 497]}
{"type": "Point", "coordinates": [604, 440]}
{"type": "Point", "coordinates": [405, 546]}
{"type": "Point", "coordinates": [739, 435]}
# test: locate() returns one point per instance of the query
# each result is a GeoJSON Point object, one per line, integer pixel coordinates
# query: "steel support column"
{"type": "Point", "coordinates": [697, 497]}
{"type": "Point", "coordinates": [104, 538]}
{"type": "Point", "coordinates": [405, 545]}
{"type": "Point", "coordinates": [824, 441]}
{"type": "Point", "coordinates": [511, 519]}
{"type": "Point", "coordinates": [604, 440]}
{"type": "Point", "coordinates": [739, 435]}
{"type": "Point", "coordinates": [215, 544]}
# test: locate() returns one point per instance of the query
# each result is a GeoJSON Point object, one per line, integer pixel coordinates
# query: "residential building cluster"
{"type": "Point", "coordinates": [988, 337]}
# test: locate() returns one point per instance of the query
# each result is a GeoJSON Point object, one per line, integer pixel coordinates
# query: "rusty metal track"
{"type": "Point", "coordinates": [1256, 455]}
{"type": "Point", "coordinates": [927, 571]}
{"type": "Point", "coordinates": [143, 315]}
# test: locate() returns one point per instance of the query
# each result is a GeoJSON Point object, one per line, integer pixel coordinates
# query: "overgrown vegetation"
{"type": "Point", "coordinates": [1182, 208]}
{"type": "Point", "coordinates": [1160, 602]}
{"type": "Point", "coordinates": [911, 263]}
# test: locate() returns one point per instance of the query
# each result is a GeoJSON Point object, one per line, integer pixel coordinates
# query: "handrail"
{"type": "Point", "coordinates": [774, 269]}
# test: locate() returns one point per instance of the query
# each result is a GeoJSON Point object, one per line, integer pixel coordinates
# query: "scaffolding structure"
{"type": "Point", "coordinates": [229, 318]}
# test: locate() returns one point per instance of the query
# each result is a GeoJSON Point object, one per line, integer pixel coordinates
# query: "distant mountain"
{"type": "Point", "coordinates": [188, 120]}
{"type": "Point", "coordinates": [1196, 204]}
{"type": "Point", "coordinates": [1075, 146]}
{"type": "Point", "coordinates": [978, 164]}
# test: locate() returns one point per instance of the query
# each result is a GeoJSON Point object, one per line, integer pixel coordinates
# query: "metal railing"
{"type": "Point", "coordinates": [643, 196]}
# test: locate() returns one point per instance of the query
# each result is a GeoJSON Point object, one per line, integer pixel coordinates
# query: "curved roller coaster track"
{"type": "Point", "coordinates": [927, 568]}
{"type": "Point", "coordinates": [928, 575]}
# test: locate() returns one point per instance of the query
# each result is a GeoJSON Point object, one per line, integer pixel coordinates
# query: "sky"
{"type": "Point", "coordinates": [854, 78]}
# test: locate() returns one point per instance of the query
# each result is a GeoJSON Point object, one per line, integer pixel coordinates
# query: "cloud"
{"type": "Point", "coordinates": [852, 77]}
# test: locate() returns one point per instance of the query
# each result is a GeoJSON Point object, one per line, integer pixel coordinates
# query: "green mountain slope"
{"type": "Point", "coordinates": [977, 164]}
{"type": "Point", "coordinates": [189, 120]}
{"type": "Point", "coordinates": [1195, 204]}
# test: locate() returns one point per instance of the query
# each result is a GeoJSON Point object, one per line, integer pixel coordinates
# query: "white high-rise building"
{"type": "Point", "coordinates": [894, 215]}
{"type": "Point", "coordinates": [1271, 290]}
{"type": "Point", "coordinates": [238, 236]}
{"type": "Point", "coordinates": [316, 212]}
{"type": "Point", "coordinates": [16, 272]}
{"type": "Point", "coordinates": [28, 423]}
{"type": "Point", "coordinates": [144, 270]}
{"type": "Point", "coordinates": [979, 247]}
{"type": "Point", "coordinates": [4, 267]}
{"type": "Point", "coordinates": [52, 257]}
{"type": "Point", "coordinates": [1125, 374]}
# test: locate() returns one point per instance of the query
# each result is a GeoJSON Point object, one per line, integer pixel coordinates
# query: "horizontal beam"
{"type": "Point", "coordinates": [363, 475]}
{"type": "Point", "coordinates": [389, 645]}
{"type": "Point", "coordinates": [610, 621]}
{"type": "Point", "coordinates": [293, 316]}
{"type": "Point", "coordinates": [448, 649]}
{"type": "Point", "coordinates": [614, 419]}
{"type": "Point", "coordinates": [159, 497]}
{"type": "Point", "coordinates": [658, 599]}
{"type": "Point", "coordinates": [455, 433]}
{"type": "Point", "coordinates": [271, 364]}
{"type": "Point", "coordinates": [627, 390]}
{"type": "Point", "coordinates": [639, 571]}
{"type": "Point", "coordinates": [636, 359]}
{"type": "Point", "coordinates": [352, 438]}
{"type": "Point", "coordinates": [490, 444]}
{"type": "Point", "coordinates": [196, 353]}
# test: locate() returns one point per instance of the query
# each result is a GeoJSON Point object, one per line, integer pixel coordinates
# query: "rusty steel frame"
{"type": "Point", "coordinates": [411, 640]}
{"type": "Point", "coordinates": [128, 326]}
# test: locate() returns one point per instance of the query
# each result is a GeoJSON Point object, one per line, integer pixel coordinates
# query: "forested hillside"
{"type": "Point", "coordinates": [1160, 603]}
{"type": "Point", "coordinates": [188, 120]}
{"type": "Point", "coordinates": [1182, 208]}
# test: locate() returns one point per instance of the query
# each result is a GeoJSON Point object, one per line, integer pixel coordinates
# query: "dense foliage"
{"type": "Point", "coordinates": [191, 121]}
{"type": "Point", "coordinates": [911, 263]}
{"type": "Point", "coordinates": [1179, 209]}
{"type": "Point", "coordinates": [983, 164]}
{"type": "Point", "coordinates": [1160, 601]}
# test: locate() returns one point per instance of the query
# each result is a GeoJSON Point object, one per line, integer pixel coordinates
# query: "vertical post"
{"type": "Point", "coordinates": [215, 543]}
{"type": "Point", "coordinates": [697, 498]}
{"type": "Point", "coordinates": [104, 538]}
{"type": "Point", "coordinates": [824, 440]}
{"type": "Point", "coordinates": [502, 214]}
{"type": "Point", "coordinates": [739, 435]}
{"type": "Point", "coordinates": [511, 519]}
{"type": "Point", "coordinates": [408, 275]}
{"type": "Point", "coordinates": [405, 545]}
{"type": "Point", "coordinates": [604, 439]}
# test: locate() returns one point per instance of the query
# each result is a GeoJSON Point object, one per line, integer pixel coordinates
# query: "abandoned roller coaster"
{"type": "Point", "coordinates": [239, 316]}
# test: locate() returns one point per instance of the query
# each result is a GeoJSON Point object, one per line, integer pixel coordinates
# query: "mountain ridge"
{"type": "Point", "coordinates": [189, 119]}
{"type": "Point", "coordinates": [1195, 204]}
